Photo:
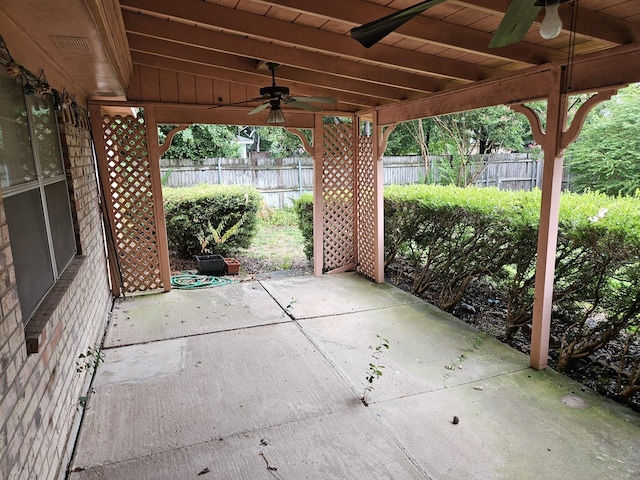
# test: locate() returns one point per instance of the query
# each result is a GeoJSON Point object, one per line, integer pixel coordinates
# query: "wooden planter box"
{"type": "Point", "coordinates": [210, 264]}
{"type": "Point", "coordinates": [232, 265]}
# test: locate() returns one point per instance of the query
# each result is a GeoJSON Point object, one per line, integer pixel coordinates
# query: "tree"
{"type": "Point", "coordinates": [278, 141]}
{"type": "Point", "coordinates": [412, 136]}
{"type": "Point", "coordinates": [198, 142]}
{"type": "Point", "coordinates": [484, 131]}
{"type": "Point", "coordinates": [606, 155]}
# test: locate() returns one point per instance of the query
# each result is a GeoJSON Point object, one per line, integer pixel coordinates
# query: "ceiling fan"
{"type": "Point", "coordinates": [274, 95]}
{"type": "Point", "coordinates": [514, 26]}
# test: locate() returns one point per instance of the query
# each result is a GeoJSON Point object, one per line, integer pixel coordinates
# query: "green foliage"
{"type": "Point", "coordinates": [451, 236]}
{"type": "Point", "coordinates": [278, 141]}
{"type": "Point", "coordinates": [606, 156]}
{"type": "Point", "coordinates": [303, 207]}
{"type": "Point", "coordinates": [277, 217]}
{"type": "Point", "coordinates": [198, 142]}
{"type": "Point", "coordinates": [374, 371]}
{"type": "Point", "coordinates": [90, 360]}
{"type": "Point", "coordinates": [219, 235]}
{"type": "Point", "coordinates": [458, 136]}
{"type": "Point", "coordinates": [191, 214]}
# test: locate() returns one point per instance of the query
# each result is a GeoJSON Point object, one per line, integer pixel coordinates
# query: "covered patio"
{"type": "Point", "coordinates": [279, 396]}
{"type": "Point", "coordinates": [262, 379]}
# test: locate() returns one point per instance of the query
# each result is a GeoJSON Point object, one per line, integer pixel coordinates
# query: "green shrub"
{"type": "Point", "coordinates": [210, 219]}
{"type": "Point", "coordinates": [303, 207]}
{"type": "Point", "coordinates": [451, 236]}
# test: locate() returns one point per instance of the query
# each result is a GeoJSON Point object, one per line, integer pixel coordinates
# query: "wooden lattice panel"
{"type": "Point", "coordinates": [338, 196]}
{"type": "Point", "coordinates": [366, 208]}
{"type": "Point", "coordinates": [130, 191]}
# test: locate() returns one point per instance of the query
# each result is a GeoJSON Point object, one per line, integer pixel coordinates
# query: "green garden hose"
{"type": "Point", "coordinates": [191, 281]}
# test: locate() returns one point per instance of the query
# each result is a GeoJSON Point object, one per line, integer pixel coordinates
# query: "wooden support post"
{"type": "Point", "coordinates": [97, 130]}
{"type": "Point", "coordinates": [553, 142]}
{"type": "Point", "coordinates": [318, 201]}
{"type": "Point", "coordinates": [153, 147]}
{"type": "Point", "coordinates": [380, 138]}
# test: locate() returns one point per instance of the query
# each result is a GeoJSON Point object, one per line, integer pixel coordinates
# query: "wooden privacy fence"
{"type": "Point", "coordinates": [281, 181]}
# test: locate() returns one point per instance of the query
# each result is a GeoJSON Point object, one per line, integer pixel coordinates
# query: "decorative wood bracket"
{"type": "Point", "coordinates": [383, 138]}
{"type": "Point", "coordinates": [581, 116]}
{"type": "Point", "coordinates": [567, 135]}
{"type": "Point", "coordinates": [308, 146]}
{"type": "Point", "coordinates": [162, 149]}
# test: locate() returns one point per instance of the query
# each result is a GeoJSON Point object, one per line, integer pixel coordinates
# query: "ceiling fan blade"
{"type": "Point", "coordinates": [516, 23]}
{"type": "Point", "coordinates": [259, 108]}
{"type": "Point", "coordinates": [371, 33]}
{"type": "Point", "coordinates": [303, 106]}
{"type": "Point", "coordinates": [244, 102]}
{"type": "Point", "coordinates": [312, 99]}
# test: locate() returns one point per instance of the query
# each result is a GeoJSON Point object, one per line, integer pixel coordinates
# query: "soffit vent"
{"type": "Point", "coordinates": [76, 45]}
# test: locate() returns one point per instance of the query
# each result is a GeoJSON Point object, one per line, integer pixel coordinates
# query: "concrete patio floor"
{"type": "Point", "coordinates": [262, 379]}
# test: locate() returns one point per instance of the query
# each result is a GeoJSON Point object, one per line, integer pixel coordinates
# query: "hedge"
{"type": "Point", "coordinates": [303, 207]}
{"type": "Point", "coordinates": [210, 219]}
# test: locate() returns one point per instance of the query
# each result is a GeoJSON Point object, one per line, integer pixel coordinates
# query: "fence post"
{"type": "Point", "coordinates": [299, 176]}
{"type": "Point", "coordinates": [219, 172]}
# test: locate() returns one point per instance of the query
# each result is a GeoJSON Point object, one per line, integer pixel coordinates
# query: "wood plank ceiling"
{"type": "Point", "coordinates": [213, 52]}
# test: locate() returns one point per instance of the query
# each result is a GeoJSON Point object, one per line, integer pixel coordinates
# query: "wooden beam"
{"type": "Point", "coordinates": [517, 89]}
{"type": "Point", "coordinates": [248, 67]}
{"type": "Point", "coordinates": [259, 26]}
{"type": "Point", "coordinates": [257, 81]}
{"type": "Point", "coordinates": [594, 72]}
{"type": "Point", "coordinates": [172, 114]}
{"type": "Point", "coordinates": [285, 55]}
{"type": "Point", "coordinates": [611, 68]}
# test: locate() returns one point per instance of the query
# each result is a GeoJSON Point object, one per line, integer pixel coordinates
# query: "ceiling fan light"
{"type": "Point", "coordinates": [275, 116]}
{"type": "Point", "coordinates": [551, 25]}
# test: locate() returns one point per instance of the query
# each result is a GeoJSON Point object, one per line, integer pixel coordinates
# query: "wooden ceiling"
{"type": "Point", "coordinates": [176, 47]}
{"type": "Point", "coordinates": [203, 53]}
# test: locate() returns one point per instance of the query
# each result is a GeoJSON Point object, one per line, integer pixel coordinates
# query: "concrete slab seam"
{"type": "Point", "coordinates": [199, 334]}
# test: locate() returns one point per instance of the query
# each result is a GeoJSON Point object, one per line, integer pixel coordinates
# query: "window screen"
{"type": "Point", "coordinates": [31, 257]}
{"type": "Point", "coordinates": [62, 235]}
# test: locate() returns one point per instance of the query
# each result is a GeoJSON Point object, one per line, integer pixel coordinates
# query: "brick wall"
{"type": "Point", "coordinates": [39, 393]}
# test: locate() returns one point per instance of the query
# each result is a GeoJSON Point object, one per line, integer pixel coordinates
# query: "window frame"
{"type": "Point", "coordinates": [40, 183]}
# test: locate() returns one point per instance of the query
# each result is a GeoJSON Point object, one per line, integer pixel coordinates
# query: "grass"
{"type": "Point", "coordinates": [278, 244]}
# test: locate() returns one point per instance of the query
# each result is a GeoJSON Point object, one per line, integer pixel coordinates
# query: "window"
{"type": "Point", "coordinates": [34, 188]}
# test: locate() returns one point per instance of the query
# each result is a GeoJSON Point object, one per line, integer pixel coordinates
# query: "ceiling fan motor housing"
{"type": "Point", "coordinates": [274, 91]}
